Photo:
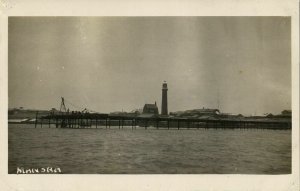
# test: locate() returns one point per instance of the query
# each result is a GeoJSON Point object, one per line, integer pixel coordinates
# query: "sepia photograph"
{"type": "Point", "coordinates": [150, 95]}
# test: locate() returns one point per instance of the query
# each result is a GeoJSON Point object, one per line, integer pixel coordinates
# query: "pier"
{"type": "Point", "coordinates": [89, 120]}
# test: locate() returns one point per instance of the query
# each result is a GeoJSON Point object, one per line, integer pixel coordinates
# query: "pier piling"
{"type": "Point", "coordinates": [36, 118]}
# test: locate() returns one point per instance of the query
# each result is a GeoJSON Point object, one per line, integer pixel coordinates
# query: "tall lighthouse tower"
{"type": "Point", "coordinates": [164, 101]}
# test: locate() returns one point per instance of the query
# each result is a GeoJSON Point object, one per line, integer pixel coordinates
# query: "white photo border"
{"type": "Point", "coordinates": [288, 8]}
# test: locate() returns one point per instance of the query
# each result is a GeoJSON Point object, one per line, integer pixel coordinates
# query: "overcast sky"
{"type": "Point", "coordinates": [237, 64]}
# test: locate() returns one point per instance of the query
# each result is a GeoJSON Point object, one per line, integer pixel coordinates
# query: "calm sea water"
{"type": "Point", "coordinates": [150, 151]}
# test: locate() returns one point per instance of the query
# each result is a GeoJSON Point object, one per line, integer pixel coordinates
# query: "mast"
{"type": "Point", "coordinates": [62, 106]}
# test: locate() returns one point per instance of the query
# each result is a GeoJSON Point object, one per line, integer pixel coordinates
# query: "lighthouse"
{"type": "Point", "coordinates": [164, 101]}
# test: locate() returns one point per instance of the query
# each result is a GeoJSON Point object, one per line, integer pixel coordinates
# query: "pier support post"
{"type": "Point", "coordinates": [36, 118]}
{"type": "Point", "coordinates": [132, 124]}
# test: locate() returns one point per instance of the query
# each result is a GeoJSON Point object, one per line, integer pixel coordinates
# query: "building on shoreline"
{"type": "Point", "coordinates": [196, 113]}
{"type": "Point", "coordinates": [150, 109]}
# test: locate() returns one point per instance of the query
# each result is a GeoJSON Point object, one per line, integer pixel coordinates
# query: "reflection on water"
{"type": "Point", "coordinates": [149, 151]}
